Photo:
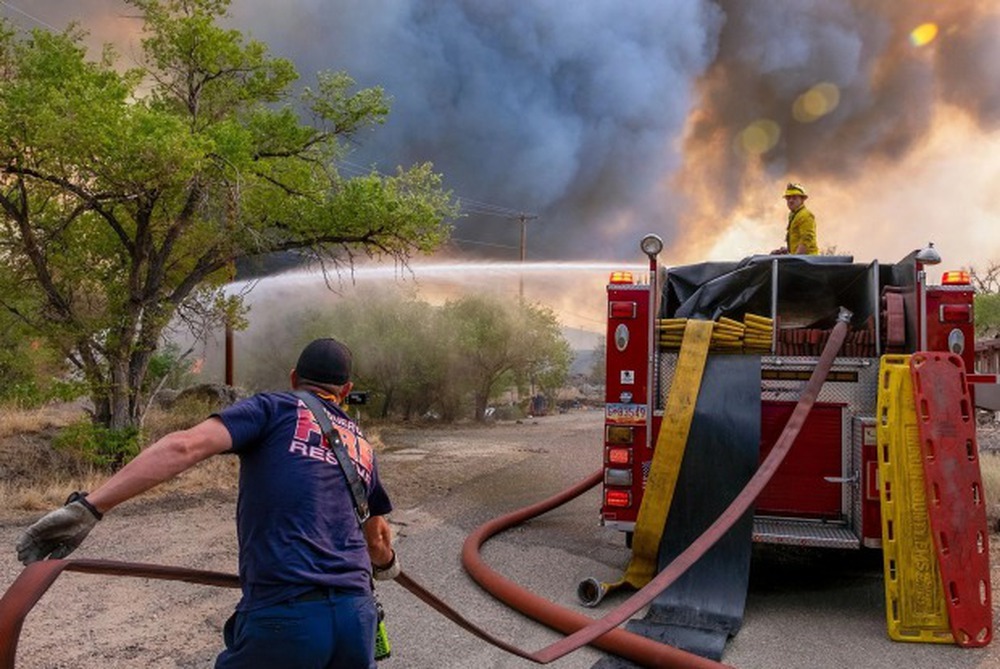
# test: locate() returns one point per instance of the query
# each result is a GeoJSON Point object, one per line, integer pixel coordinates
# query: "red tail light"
{"type": "Point", "coordinates": [617, 498]}
{"type": "Point", "coordinates": [620, 456]}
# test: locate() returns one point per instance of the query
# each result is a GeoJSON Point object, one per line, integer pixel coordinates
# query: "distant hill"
{"type": "Point", "coordinates": [583, 343]}
{"type": "Point", "coordinates": [582, 340]}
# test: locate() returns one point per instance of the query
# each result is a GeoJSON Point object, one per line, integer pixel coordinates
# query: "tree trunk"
{"type": "Point", "coordinates": [387, 404]}
{"type": "Point", "coordinates": [482, 399]}
{"type": "Point", "coordinates": [118, 397]}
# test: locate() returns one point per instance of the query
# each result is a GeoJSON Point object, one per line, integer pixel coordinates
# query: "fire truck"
{"type": "Point", "coordinates": [810, 401]}
{"type": "Point", "coordinates": [777, 311]}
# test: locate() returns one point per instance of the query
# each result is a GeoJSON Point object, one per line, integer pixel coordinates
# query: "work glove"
{"type": "Point", "coordinates": [386, 572]}
{"type": "Point", "coordinates": [60, 532]}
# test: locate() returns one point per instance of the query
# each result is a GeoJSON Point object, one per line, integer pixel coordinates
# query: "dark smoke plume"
{"type": "Point", "coordinates": [609, 119]}
{"type": "Point", "coordinates": [568, 110]}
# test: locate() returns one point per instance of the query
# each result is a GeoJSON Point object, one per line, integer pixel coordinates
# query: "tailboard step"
{"type": "Point", "coordinates": [797, 532]}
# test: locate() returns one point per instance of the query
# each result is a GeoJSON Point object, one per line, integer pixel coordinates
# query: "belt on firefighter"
{"type": "Point", "coordinates": [318, 594]}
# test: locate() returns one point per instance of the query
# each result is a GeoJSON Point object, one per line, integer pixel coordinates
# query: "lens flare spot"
{"type": "Point", "coordinates": [923, 34]}
{"type": "Point", "coordinates": [759, 137]}
{"type": "Point", "coordinates": [816, 103]}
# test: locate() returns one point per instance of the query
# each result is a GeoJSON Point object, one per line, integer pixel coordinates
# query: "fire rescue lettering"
{"type": "Point", "coordinates": [314, 452]}
{"type": "Point", "coordinates": [308, 442]}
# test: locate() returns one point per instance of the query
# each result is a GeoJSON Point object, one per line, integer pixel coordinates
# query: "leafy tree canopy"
{"type": "Point", "coordinates": [126, 195]}
{"type": "Point", "coordinates": [417, 358]}
{"type": "Point", "coordinates": [986, 281]}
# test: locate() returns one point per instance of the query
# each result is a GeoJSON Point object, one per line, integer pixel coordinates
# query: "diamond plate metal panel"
{"type": "Point", "coordinates": [859, 396]}
{"type": "Point", "coordinates": [794, 532]}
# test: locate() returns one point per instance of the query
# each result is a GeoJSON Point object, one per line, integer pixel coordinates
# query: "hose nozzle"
{"type": "Point", "coordinates": [590, 592]}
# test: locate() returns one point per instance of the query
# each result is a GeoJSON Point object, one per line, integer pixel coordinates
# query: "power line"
{"type": "Point", "coordinates": [486, 208]}
{"type": "Point", "coordinates": [467, 205]}
{"type": "Point", "coordinates": [481, 243]}
{"type": "Point", "coordinates": [24, 13]}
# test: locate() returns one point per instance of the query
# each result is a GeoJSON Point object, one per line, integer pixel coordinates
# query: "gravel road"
{"type": "Point", "coordinates": [803, 610]}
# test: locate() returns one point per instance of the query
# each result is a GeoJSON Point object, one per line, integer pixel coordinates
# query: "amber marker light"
{"type": "Point", "coordinates": [955, 278]}
{"type": "Point", "coordinates": [621, 278]}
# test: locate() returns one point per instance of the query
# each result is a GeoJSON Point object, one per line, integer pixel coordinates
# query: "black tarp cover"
{"type": "Point", "coordinates": [810, 290]}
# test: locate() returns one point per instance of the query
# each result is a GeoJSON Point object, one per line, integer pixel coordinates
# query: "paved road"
{"type": "Point", "coordinates": [804, 610]}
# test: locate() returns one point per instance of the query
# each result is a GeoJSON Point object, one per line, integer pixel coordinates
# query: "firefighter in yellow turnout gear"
{"type": "Point", "coordinates": [800, 237]}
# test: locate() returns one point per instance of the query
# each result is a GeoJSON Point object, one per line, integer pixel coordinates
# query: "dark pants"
{"type": "Point", "coordinates": [334, 632]}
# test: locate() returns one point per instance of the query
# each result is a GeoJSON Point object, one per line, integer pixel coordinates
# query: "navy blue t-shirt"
{"type": "Point", "coordinates": [295, 517]}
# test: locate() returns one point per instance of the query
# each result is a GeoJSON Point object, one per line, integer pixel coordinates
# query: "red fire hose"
{"type": "Point", "coordinates": [588, 630]}
{"type": "Point", "coordinates": [634, 647]}
{"type": "Point", "coordinates": [36, 579]}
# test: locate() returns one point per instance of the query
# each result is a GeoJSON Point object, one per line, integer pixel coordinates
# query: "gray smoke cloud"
{"type": "Point", "coordinates": [609, 119]}
{"type": "Point", "coordinates": [891, 92]}
{"type": "Point", "coordinates": [568, 110]}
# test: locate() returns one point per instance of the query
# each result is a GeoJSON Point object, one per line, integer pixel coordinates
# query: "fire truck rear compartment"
{"type": "Point", "coordinates": [822, 495]}
{"type": "Point", "coordinates": [777, 311]}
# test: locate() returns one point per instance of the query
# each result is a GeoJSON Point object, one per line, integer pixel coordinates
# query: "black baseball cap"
{"type": "Point", "coordinates": [325, 361]}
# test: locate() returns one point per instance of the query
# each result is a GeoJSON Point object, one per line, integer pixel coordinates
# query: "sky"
{"type": "Point", "coordinates": [605, 120]}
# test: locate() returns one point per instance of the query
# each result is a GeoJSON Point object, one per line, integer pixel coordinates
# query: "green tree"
{"type": "Point", "coordinates": [496, 342]}
{"type": "Point", "coordinates": [987, 299]}
{"type": "Point", "coordinates": [413, 357]}
{"type": "Point", "coordinates": [31, 372]}
{"type": "Point", "coordinates": [598, 365]}
{"type": "Point", "coordinates": [548, 353]}
{"type": "Point", "coordinates": [987, 308]}
{"type": "Point", "coordinates": [400, 357]}
{"type": "Point", "coordinates": [126, 196]}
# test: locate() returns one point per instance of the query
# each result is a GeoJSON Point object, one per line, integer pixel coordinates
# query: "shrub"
{"type": "Point", "coordinates": [98, 445]}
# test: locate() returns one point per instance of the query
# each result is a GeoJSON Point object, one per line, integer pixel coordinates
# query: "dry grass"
{"type": "Point", "coordinates": [180, 416]}
{"type": "Point", "coordinates": [14, 420]}
{"type": "Point", "coordinates": [54, 480]}
{"type": "Point", "coordinates": [989, 464]}
{"type": "Point", "coordinates": [58, 475]}
{"type": "Point", "coordinates": [47, 476]}
{"type": "Point", "coordinates": [44, 496]}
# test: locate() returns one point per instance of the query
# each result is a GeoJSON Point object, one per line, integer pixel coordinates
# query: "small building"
{"type": "Point", "coordinates": [988, 356]}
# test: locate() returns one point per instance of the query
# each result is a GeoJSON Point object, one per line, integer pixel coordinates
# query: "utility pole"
{"type": "Point", "coordinates": [523, 218]}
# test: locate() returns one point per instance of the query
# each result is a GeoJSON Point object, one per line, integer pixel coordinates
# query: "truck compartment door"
{"type": "Point", "coordinates": [800, 488]}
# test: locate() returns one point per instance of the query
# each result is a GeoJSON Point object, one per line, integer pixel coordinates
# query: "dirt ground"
{"type": "Point", "coordinates": [92, 621]}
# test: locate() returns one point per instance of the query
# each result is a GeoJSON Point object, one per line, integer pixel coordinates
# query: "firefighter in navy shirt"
{"type": "Point", "coordinates": [305, 563]}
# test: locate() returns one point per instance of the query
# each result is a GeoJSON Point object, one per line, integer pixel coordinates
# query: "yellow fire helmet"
{"type": "Point", "coordinates": [795, 189]}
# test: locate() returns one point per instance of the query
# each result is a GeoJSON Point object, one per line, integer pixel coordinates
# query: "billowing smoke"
{"type": "Point", "coordinates": [882, 76]}
{"type": "Point", "coordinates": [568, 110]}
{"type": "Point", "coordinates": [608, 119]}
{"type": "Point", "coordinates": [612, 119]}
